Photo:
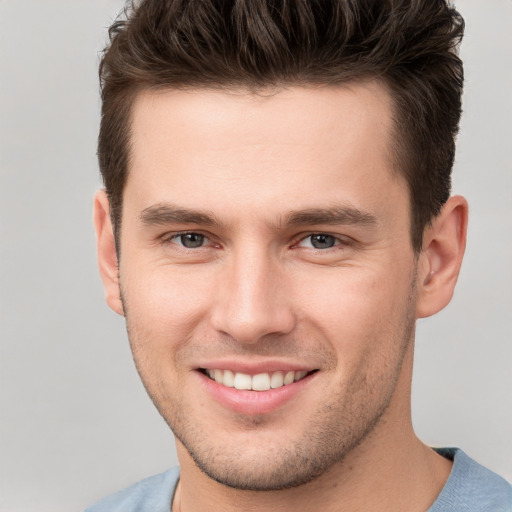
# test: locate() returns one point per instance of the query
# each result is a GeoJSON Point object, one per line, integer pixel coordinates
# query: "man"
{"type": "Point", "coordinates": [276, 217]}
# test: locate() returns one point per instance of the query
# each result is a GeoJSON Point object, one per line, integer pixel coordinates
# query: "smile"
{"type": "Point", "coordinates": [258, 382]}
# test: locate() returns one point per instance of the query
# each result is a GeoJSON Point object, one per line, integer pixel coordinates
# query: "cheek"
{"type": "Point", "coordinates": [163, 304]}
{"type": "Point", "coordinates": [358, 310]}
{"type": "Point", "coordinates": [163, 309]}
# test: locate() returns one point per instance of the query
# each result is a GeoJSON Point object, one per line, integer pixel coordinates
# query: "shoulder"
{"type": "Point", "coordinates": [471, 487]}
{"type": "Point", "coordinates": [153, 494]}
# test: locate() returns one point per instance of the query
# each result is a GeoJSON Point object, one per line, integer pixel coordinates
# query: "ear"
{"type": "Point", "coordinates": [440, 260]}
{"type": "Point", "coordinates": [106, 247]}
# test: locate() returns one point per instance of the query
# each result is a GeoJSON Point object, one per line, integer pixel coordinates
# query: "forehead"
{"type": "Point", "coordinates": [293, 114]}
{"type": "Point", "coordinates": [271, 148]}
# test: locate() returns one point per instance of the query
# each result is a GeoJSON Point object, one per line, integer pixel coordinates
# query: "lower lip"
{"type": "Point", "coordinates": [253, 402]}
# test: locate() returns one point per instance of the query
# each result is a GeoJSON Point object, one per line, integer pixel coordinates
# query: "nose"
{"type": "Point", "coordinates": [252, 300]}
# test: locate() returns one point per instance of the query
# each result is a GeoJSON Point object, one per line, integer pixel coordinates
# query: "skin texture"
{"type": "Point", "coordinates": [256, 291]}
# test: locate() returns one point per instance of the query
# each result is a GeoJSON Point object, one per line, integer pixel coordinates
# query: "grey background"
{"type": "Point", "coordinates": [75, 421]}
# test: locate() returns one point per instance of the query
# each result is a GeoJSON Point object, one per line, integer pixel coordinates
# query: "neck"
{"type": "Point", "coordinates": [394, 482]}
{"type": "Point", "coordinates": [391, 470]}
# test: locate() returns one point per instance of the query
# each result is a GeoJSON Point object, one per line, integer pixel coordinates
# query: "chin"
{"type": "Point", "coordinates": [265, 472]}
{"type": "Point", "coordinates": [272, 460]}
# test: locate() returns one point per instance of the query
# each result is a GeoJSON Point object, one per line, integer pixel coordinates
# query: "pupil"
{"type": "Point", "coordinates": [192, 240]}
{"type": "Point", "coordinates": [322, 241]}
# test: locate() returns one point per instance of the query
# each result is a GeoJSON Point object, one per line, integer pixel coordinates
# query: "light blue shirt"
{"type": "Point", "coordinates": [470, 488]}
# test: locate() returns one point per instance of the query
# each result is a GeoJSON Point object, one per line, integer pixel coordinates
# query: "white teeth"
{"type": "Point", "coordinates": [276, 381]}
{"type": "Point", "coordinates": [289, 378]}
{"type": "Point", "coordinates": [242, 381]}
{"type": "Point", "coordinates": [300, 375]}
{"type": "Point", "coordinates": [228, 378]}
{"type": "Point", "coordinates": [259, 382]}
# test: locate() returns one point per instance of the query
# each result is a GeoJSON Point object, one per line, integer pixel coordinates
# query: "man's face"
{"type": "Point", "coordinates": [268, 235]}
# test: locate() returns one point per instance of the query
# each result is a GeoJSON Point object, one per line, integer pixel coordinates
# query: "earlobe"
{"type": "Point", "coordinates": [440, 260]}
{"type": "Point", "coordinates": [106, 250]}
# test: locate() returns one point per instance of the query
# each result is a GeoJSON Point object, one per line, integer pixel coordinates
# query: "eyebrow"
{"type": "Point", "coordinates": [341, 215]}
{"type": "Point", "coordinates": [166, 213]}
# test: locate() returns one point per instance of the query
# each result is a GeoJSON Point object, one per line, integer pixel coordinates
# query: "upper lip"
{"type": "Point", "coordinates": [253, 367]}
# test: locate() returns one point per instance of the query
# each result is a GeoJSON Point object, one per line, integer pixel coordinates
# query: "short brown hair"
{"type": "Point", "coordinates": [409, 45]}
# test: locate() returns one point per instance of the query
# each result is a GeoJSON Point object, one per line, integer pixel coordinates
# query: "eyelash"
{"type": "Point", "coordinates": [337, 241]}
{"type": "Point", "coordinates": [171, 239]}
{"type": "Point", "coordinates": [344, 242]}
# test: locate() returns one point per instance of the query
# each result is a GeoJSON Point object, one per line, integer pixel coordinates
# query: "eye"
{"type": "Point", "coordinates": [189, 240]}
{"type": "Point", "coordinates": [319, 241]}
